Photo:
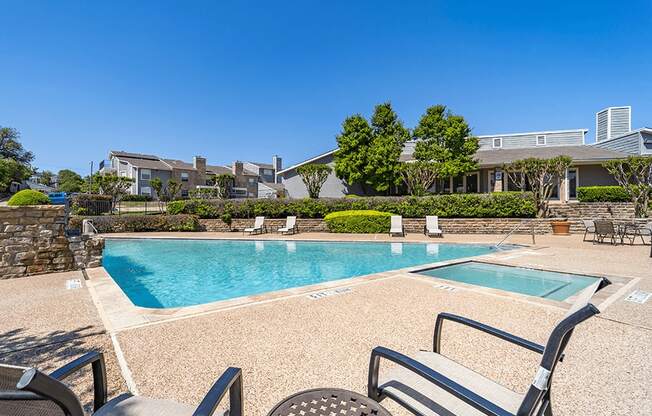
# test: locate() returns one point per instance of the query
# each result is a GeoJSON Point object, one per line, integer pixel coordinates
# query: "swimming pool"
{"type": "Point", "coordinates": [541, 283]}
{"type": "Point", "coordinates": [175, 273]}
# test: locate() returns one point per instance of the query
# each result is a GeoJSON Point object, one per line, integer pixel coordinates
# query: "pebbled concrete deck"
{"type": "Point", "coordinates": [294, 343]}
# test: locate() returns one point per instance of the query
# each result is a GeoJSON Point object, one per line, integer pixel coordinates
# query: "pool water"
{"type": "Point", "coordinates": [544, 284]}
{"type": "Point", "coordinates": [175, 273]}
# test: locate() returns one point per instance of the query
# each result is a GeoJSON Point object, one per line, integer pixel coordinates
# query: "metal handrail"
{"type": "Point", "coordinates": [514, 229]}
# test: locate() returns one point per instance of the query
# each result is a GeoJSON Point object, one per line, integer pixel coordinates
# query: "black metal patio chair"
{"type": "Point", "coordinates": [27, 391]}
{"type": "Point", "coordinates": [432, 385]}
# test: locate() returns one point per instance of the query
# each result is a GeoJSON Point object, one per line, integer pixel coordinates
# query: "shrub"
{"type": "Point", "coordinates": [496, 205]}
{"type": "Point", "coordinates": [139, 223]}
{"type": "Point", "coordinates": [138, 198]}
{"type": "Point", "coordinates": [602, 194]}
{"type": "Point", "coordinates": [358, 221]}
{"type": "Point", "coordinates": [28, 197]}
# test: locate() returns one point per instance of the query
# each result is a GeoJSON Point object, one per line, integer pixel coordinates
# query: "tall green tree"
{"type": "Point", "coordinates": [46, 178]}
{"type": "Point", "coordinates": [12, 171]}
{"type": "Point", "coordinates": [10, 147]}
{"type": "Point", "coordinates": [383, 168]}
{"type": "Point", "coordinates": [70, 181]}
{"type": "Point", "coordinates": [445, 139]}
{"type": "Point", "coordinates": [353, 148]}
{"type": "Point", "coordinates": [314, 175]}
{"type": "Point", "coordinates": [114, 185]}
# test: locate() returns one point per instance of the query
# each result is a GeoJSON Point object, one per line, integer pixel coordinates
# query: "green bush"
{"type": "Point", "coordinates": [138, 198]}
{"type": "Point", "coordinates": [358, 221]}
{"type": "Point", "coordinates": [495, 205]}
{"type": "Point", "coordinates": [28, 197]}
{"type": "Point", "coordinates": [139, 223]}
{"type": "Point", "coordinates": [602, 194]}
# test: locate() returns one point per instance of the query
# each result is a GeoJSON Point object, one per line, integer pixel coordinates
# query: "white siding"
{"type": "Point", "coordinates": [526, 140]}
{"type": "Point", "coordinates": [602, 125]}
{"type": "Point", "coordinates": [612, 122]}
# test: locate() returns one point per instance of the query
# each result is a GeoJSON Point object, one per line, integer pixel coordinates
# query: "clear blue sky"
{"type": "Point", "coordinates": [244, 80]}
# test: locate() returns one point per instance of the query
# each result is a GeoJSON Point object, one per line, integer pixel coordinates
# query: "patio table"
{"type": "Point", "coordinates": [328, 401]}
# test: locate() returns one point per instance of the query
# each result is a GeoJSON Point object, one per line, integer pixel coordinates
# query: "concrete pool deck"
{"type": "Point", "coordinates": [295, 342]}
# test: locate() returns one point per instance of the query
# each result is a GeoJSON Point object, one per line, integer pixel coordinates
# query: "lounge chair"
{"type": "Point", "coordinates": [27, 391]}
{"type": "Point", "coordinates": [432, 226]}
{"type": "Point", "coordinates": [589, 228]}
{"type": "Point", "coordinates": [431, 384]}
{"type": "Point", "coordinates": [258, 228]}
{"type": "Point", "coordinates": [606, 229]}
{"type": "Point", "coordinates": [290, 226]}
{"type": "Point", "coordinates": [396, 226]}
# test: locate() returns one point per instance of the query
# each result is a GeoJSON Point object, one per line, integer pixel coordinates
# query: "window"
{"type": "Point", "coordinates": [268, 172]}
{"type": "Point", "coordinates": [458, 184]}
{"type": "Point", "coordinates": [497, 142]}
{"type": "Point", "coordinates": [252, 180]}
{"type": "Point", "coordinates": [146, 190]}
{"type": "Point", "coordinates": [184, 193]}
{"type": "Point", "coordinates": [145, 174]}
{"type": "Point", "coordinates": [572, 183]}
{"type": "Point", "coordinates": [472, 183]}
{"type": "Point", "coordinates": [184, 177]}
{"type": "Point", "coordinates": [541, 140]}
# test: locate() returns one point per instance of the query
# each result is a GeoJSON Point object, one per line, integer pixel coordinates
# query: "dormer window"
{"type": "Point", "coordinates": [541, 140]}
{"type": "Point", "coordinates": [497, 142]}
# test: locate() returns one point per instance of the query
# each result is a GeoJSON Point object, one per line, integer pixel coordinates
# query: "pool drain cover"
{"type": "Point", "coordinates": [638, 296]}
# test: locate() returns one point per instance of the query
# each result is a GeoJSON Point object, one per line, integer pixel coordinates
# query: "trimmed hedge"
{"type": "Point", "coordinates": [138, 223]}
{"type": "Point", "coordinates": [358, 221]}
{"type": "Point", "coordinates": [495, 205]}
{"type": "Point", "coordinates": [602, 194]}
{"type": "Point", "coordinates": [28, 197]}
{"type": "Point", "coordinates": [138, 198]}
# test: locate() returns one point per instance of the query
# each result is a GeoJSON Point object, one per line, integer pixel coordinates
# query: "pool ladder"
{"type": "Point", "coordinates": [515, 228]}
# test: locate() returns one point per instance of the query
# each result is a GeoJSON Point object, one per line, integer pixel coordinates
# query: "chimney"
{"type": "Point", "coordinates": [277, 162]}
{"type": "Point", "coordinates": [199, 163]}
{"type": "Point", "coordinates": [237, 168]}
{"type": "Point", "coordinates": [612, 122]}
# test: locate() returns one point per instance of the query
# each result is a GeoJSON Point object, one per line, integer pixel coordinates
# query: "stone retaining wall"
{"type": "Point", "coordinates": [33, 241]}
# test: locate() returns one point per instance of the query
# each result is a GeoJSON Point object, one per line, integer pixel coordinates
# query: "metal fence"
{"type": "Point", "coordinates": [106, 207]}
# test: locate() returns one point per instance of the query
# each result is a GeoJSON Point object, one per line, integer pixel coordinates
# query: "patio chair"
{"type": "Point", "coordinates": [589, 228]}
{"type": "Point", "coordinates": [27, 391]}
{"type": "Point", "coordinates": [396, 226]}
{"type": "Point", "coordinates": [290, 226]}
{"type": "Point", "coordinates": [258, 228]}
{"type": "Point", "coordinates": [605, 229]}
{"type": "Point", "coordinates": [432, 385]}
{"type": "Point", "coordinates": [432, 226]}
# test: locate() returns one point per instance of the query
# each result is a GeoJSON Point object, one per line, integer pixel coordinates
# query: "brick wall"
{"type": "Point", "coordinates": [33, 241]}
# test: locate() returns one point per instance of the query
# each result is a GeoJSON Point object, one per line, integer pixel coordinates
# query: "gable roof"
{"type": "Point", "coordinates": [330, 152]}
{"type": "Point", "coordinates": [583, 153]}
{"type": "Point", "coordinates": [262, 165]}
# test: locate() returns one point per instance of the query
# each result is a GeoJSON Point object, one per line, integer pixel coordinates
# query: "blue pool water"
{"type": "Point", "coordinates": [174, 273]}
{"type": "Point", "coordinates": [544, 284]}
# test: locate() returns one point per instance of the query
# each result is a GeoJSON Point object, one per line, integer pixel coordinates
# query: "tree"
{"type": "Point", "coordinates": [445, 138]}
{"type": "Point", "coordinates": [157, 186]}
{"type": "Point", "coordinates": [69, 181]}
{"type": "Point", "coordinates": [224, 183]}
{"type": "Point", "coordinates": [12, 171]}
{"type": "Point", "coordinates": [91, 184]}
{"type": "Point", "coordinates": [541, 174]}
{"type": "Point", "coordinates": [419, 176]}
{"type": "Point", "coordinates": [314, 175]}
{"type": "Point", "coordinates": [389, 136]}
{"type": "Point", "coordinates": [353, 148]}
{"type": "Point", "coordinates": [46, 178]}
{"type": "Point", "coordinates": [634, 174]}
{"type": "Point", "coordinates": [10, 147]}
{"type": "Point", "coordinates": [172, 189]}
{"type": "Point", "coordinates": [114, 185]}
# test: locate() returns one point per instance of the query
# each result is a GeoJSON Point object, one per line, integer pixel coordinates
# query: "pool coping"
{"type": "Point", "coordinates": [119, 313]}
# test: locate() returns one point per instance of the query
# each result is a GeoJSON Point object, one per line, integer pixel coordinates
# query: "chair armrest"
{"type": "Point", "coordinates": [506, 336]}
{"type": "Point", "coordinates": [432, 376]}
{"type": "Point", "coordinates": [231, 381]}
{"type": "Point", "coordinates": [96, 360]}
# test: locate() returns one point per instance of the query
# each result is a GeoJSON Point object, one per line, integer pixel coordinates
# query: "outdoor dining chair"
{"type": "Point", "coordinates": [430, 384]}
{"type": "Point", "coordinates": [27, 391]}
{"type": "Point", "coordinates": [589, 228]}
{"type": "Point", "coordinates": [605, 229]}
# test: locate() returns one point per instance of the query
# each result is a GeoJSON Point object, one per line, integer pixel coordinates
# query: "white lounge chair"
{"type": "Point", "coordinates": [432, 226]}
{"type": "Point", "coordinates": [258, 228]}
{"type": "Point", "coordinates": [290, 226]}
{"type": "Point", "coordinates": [396, 226]}
{"type": "Point", "coordinates": [589, 228]}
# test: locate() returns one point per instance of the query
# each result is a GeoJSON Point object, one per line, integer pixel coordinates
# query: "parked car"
{"type": "Point", "coordinates": [57, 198]}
